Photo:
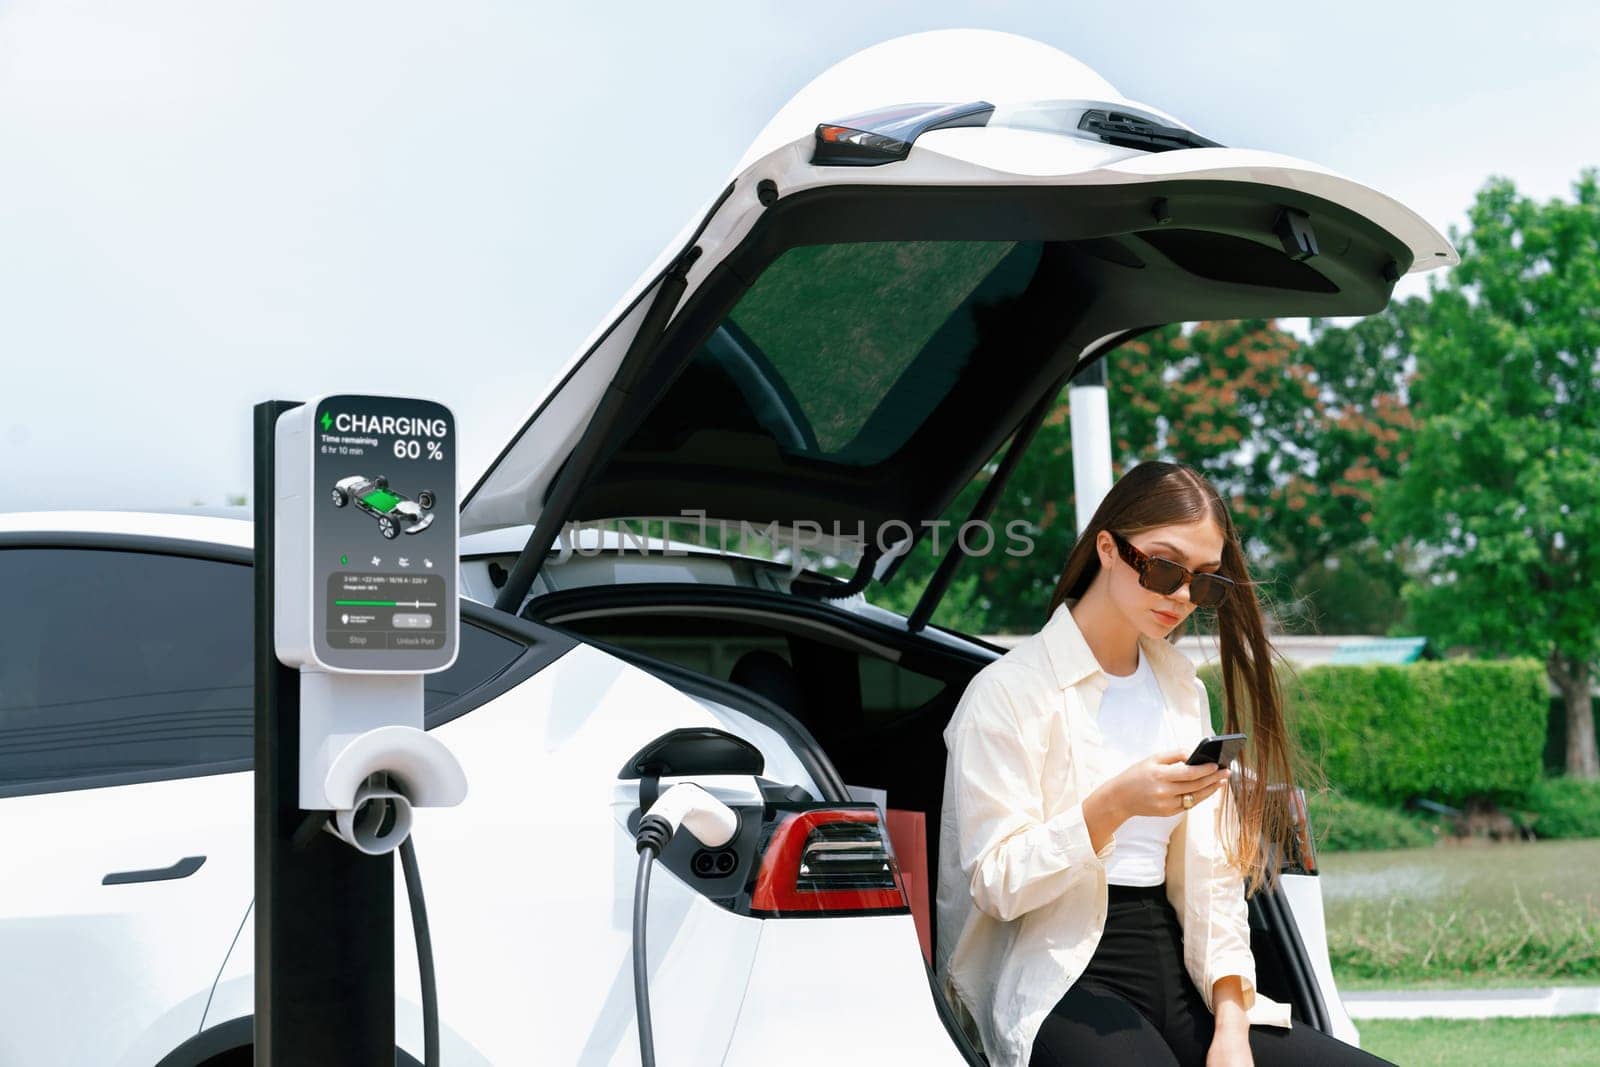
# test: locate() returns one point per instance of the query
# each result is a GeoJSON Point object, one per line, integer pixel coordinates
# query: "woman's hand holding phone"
{"type": "Point", "coordinates": [1153, 786]}
{"type": "Point", "coordinates": [1156, 786]}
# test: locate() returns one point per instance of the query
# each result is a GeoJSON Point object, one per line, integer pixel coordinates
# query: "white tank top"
{"type": "Point", "coordinates": [1134, 725]}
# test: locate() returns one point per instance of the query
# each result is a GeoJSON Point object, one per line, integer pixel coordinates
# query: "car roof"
{"type": "Point", "coordinates": [236, 532]}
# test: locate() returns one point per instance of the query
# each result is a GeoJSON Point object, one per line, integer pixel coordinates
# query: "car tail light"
{"type": "Point", "coordinates": [827, 860]}
{"type": "Point", "coordinates": [887, 134]}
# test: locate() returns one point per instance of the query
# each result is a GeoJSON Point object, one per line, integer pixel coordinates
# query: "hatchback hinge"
{"type": "Point", "coordinates": [830, 589]}
{"type": "Point", "coordinates": [1294, 232]}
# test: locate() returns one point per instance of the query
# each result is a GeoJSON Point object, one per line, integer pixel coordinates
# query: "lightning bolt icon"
{"type": "Point", "coordinates": [327, 421]}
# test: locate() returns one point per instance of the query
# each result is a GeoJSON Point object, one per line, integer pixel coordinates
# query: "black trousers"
{"type": "Point", "coordinates": [1135, 1003]}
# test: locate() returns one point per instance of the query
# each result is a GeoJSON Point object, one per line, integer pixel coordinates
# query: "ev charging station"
{"type": "Point", "coordinates": [356, 585]}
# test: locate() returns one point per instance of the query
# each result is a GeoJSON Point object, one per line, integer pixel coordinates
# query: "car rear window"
{"type": "Point", "coordinates": [842, 351]}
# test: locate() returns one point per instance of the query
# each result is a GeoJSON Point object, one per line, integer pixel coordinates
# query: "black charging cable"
{"type": "Point", "coordinates": [653, 834]}
{"type": "Point", "coordinates": [309, 827]}
{"type": "Point", "coordinates": [419, 929]}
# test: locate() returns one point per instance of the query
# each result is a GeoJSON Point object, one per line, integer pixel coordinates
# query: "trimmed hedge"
{"type": "Point", "coordinates": [1565, 807]}
{"type": "Point", "coordinates": [1445, 730]}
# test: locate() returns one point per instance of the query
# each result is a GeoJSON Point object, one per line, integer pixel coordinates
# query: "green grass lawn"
{"type": "Point", "coordinates": [1359, 983]}
{"type": "Point", "coordinates": [1568, 1042]}
{"type": "Point", "coordinates": [1451, 917]}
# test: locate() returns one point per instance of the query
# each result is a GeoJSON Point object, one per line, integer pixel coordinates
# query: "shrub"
{"type": "Point", "coordinates": [1565, 807]}
{"type": "Point", "coordinates": [1446, 730]}
{"type": "Point", "coordinates": [1340, 824]}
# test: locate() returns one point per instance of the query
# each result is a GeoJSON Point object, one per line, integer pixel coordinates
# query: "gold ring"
{"type": "Point", "coordinates": [1188, 800]}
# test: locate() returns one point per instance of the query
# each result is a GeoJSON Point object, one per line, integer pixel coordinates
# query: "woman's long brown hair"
{"type": "Point", "coordinates": [1169, 494]}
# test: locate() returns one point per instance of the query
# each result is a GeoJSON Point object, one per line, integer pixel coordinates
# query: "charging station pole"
{"type": "Point", "coordinates": [324, 913]}
{"type": "Point", "coordinates": [339, 739]}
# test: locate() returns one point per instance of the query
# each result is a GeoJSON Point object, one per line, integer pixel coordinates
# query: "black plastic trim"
{"type": "Point", "coordinates": [947, 1015]}
{"type": "Point", "coordinates": [854, 913]}
{"type": "Point", "coordinates": [1301, 976]}
{"type": "Point", "coordinates": [544, 645]}
{"type": "Point", "coordinates": [807, 584]}
{"type": "Point", "coordinates": [182, 869]}
{"type": "Point", "coordinates": [230, 1036]}
{"type": "Point", "coordinates": [106, 781]}
{"type": "Point", "coordinates": [1135, 131]}
{"type": "Point", "coordinates": [235, 1035]}
{"type": "Point", "coordinates": [693, 750]}
{"type": "Point", "coordinates": [119, 542]}
{"type": "Point", "coordinates": [669, 596]}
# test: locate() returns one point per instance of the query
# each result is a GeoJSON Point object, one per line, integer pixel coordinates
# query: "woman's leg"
{"type": "Point", "coordinates": [1191, 1026]}
{"type": "Point", "coordinates": [1094, 1027]}
{"type": "Point", "coordinates": [1188, 1024]}
{"type": "Point", "coordinates": [1301, 1046]}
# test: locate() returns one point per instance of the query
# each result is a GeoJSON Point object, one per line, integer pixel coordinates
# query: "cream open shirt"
{"type": "Point", "coordinates": [1021, 898]}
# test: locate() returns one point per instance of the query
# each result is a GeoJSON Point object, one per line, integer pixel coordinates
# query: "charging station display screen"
{"type": "Point", "coordinates": [383, 548]}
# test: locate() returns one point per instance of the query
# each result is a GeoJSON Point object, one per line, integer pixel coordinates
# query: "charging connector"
{"type": "Point", "coordinates": [713, 824]}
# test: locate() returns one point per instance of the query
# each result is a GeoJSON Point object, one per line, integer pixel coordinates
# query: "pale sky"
{"type": "Point", "coordinates": [204, 205]}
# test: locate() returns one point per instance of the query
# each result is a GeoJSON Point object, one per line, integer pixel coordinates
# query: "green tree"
{"type": "Point", "coordinates": [1500, 491]}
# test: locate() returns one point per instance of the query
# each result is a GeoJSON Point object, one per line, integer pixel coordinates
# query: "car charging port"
{"type": "Point", "coordinates": [714, 864]}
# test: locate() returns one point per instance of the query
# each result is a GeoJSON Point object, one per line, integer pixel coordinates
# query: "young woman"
{"type": "Point", "coordinates": [1091, 891]}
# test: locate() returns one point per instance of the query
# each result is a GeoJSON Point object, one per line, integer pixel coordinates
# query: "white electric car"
{"type": "Point", "coordinates": [907, 266]}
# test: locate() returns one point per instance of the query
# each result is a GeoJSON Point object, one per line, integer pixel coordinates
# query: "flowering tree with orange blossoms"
{"type": "Point", "coordinates": [1292, 434]}
{"type": "Point", "coordinates": [1297, 436]}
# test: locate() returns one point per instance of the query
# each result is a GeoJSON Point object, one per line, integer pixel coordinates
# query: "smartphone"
{"type": "Point", "coordinates": [1218, 748]}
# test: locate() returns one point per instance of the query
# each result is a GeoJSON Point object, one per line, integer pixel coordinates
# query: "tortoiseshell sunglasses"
{"type": "Point", "coordinates": [1166, 577]}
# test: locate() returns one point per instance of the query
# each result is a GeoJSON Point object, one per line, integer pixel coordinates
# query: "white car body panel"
{"type": "Point", "coordinates": [1303, 894]}
{"type": "Point", "coordinates": [543, 828]}
{"type": "Point", "coordinates": [96, 971]}
{"type": "Point", "coordinates": [793, 1013]}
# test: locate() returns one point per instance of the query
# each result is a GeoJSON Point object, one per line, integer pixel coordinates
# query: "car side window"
{"type": "Point", "coordinates": [117, 663]}
{"type": "Point", "coordinates": [889, 690]}
{"type": "Point", "coordinates": [480, 657]}
{"type": "Point", "coordinates": [122, 666]}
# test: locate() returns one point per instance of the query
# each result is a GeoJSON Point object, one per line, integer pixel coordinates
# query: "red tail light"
{"type": "Point", "coordinates": [827, 860]}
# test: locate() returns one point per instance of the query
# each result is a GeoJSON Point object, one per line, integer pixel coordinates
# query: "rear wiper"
{"type": "Point", "coordinates": [1130, 131]}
